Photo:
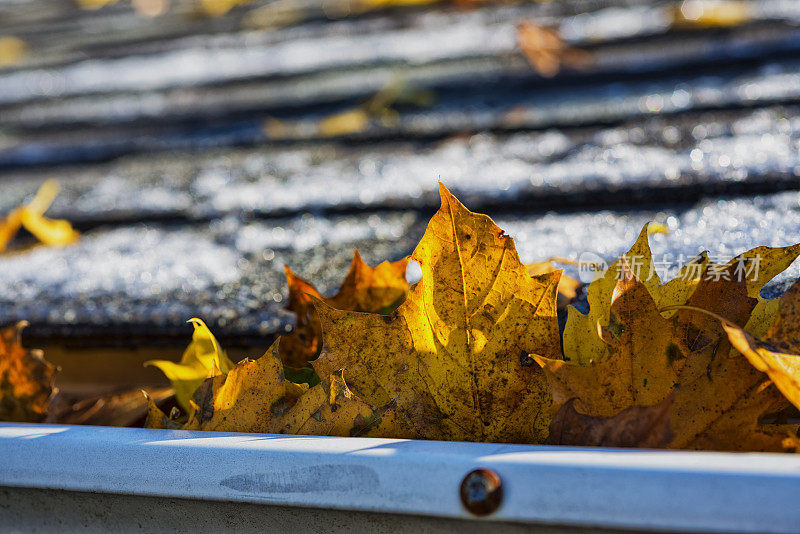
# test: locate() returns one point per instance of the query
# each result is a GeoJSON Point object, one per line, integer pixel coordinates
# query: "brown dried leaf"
{"type": "Point", "coordinates": [546, 51]}
{"type": "Point", "coordinates": [637, 426]}
{"type": "Point", "coordinates": [26, 379]}
{"type": "Point", "coordinates": [121, 408]}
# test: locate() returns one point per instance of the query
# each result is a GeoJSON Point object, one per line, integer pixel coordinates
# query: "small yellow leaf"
{"type": "Point", "coordinates": [31, 216]}
{"type": "Point", "coordinates": [567, 286]}
{"type": "Point", "coordinates": [199, 360]}
{"type": "Point", "coordinates": [217, 8]}
{"type": "Point", "coordinates": [9, 227]}
{"type": "Point", "coordinates": [345, 123]}
{"type": "Point", "coordinates": [44, 197]}
{"type": "Point", "coordinates": [95, 4]}
{"type": "Point", "coordinates": [12, 50]}
{"type": "Point", "coordinates": [49, 231]}
{"type": "Point", "coordinates": [713, 13]}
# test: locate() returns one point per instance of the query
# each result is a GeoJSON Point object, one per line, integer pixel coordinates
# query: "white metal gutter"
{"type": "Point", "coordinates": [654, 490]}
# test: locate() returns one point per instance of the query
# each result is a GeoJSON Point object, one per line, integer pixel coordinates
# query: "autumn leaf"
{"type": "Point", "coordinates": [454, 355]}
{"type": "Point", "coordinates": [26, 379]}
{"type": "Point", "coordinates": [712, 13]}
{"type": "Point", "coordinates": [305, 342]}
{"type": "Point", "coordinates": [12, 50]}
{"type": "Point", "coordinates": [581, 342]}
{"type": "Point", "coordinates": [719, 292]}
{"type": "Point", "coordinates": [117, 408]}
{"type": "Point", "coordinates": [201, 357]}
{"type": "Point", "coordinates": [645, 355]}
{"type": "Point", "coordinates": [156, 418]}
{"type": "Point", "coordinates": [637, 426]}
{"type": "Point", "coordinates": [377, 111]}
{"type": "Point", "coordinates": [31, 217]}
{"type": "Point", "coordinates": [778, 354]}
{"type": "Point", "coordinates": [368, 289]}
{"type": "Point", "coordinates": [719, 400]}
{"type": "Point", "coordinates": [255, 397]}
{"type": "Point", "coordinates": [379, 289]}
{"type": "Point", "coordinates": [546, 51]}
{"type": "Point", "coordinates": [722, 397]}
{"type": "Point", "coordinates": [567, 286]}
{"type": "Point", "coordinates": [723, 409]}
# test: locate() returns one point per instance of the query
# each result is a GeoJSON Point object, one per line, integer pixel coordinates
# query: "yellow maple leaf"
{"type": "Point", "coordinates": [645, 357]}
{"type": "Point", "coordinates": [201, 358]}
{"type": "Point", "coordinates": [26, 379]}
{"type": "Point", "coordinates": [719, 399]}
{"type": "Point", "coordinates": [581, 342]}
{"type": "Point", "coordinates": [778, 353]}
{"type": "Point", "coordinates": [454, 355]}
{"type": "Point", "coordinates": [31, 217]}
{"type": "Point", "coordinates": [377, 111]}
{"type": "Point", "coordinates": [255, 397]}
{"type": "Point", "coordinates": [377, 289]}
{"type": "Point", "coordinates": [722, 399]}
{"type": "Point", "coordinates": [729, 291]}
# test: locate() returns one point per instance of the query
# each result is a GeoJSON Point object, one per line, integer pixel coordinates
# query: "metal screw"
{"type": "Point", "coordinates": [482, 491]}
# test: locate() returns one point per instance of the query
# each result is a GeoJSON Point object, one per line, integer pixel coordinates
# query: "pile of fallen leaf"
{"type": "Point", "coordinates": [473, 352]}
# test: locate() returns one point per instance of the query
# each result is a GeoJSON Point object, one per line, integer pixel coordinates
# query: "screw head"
{"type": "Point", "coordinates": [482, 491]}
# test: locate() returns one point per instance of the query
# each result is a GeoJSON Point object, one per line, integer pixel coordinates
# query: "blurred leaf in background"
{"type": "Point", "coordinates": [12, 50]}
{"type": "Point", "coordinates": [53, 232]}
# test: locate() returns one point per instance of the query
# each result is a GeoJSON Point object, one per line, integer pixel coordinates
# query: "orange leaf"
{"type": "Point", "coordinates": [377, 289]}
{"type": "Point", "coordinates": [26, 379]}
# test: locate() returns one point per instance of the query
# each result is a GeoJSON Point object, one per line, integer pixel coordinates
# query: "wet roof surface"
{"type": "Point", "coordinates": [190, 205]}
